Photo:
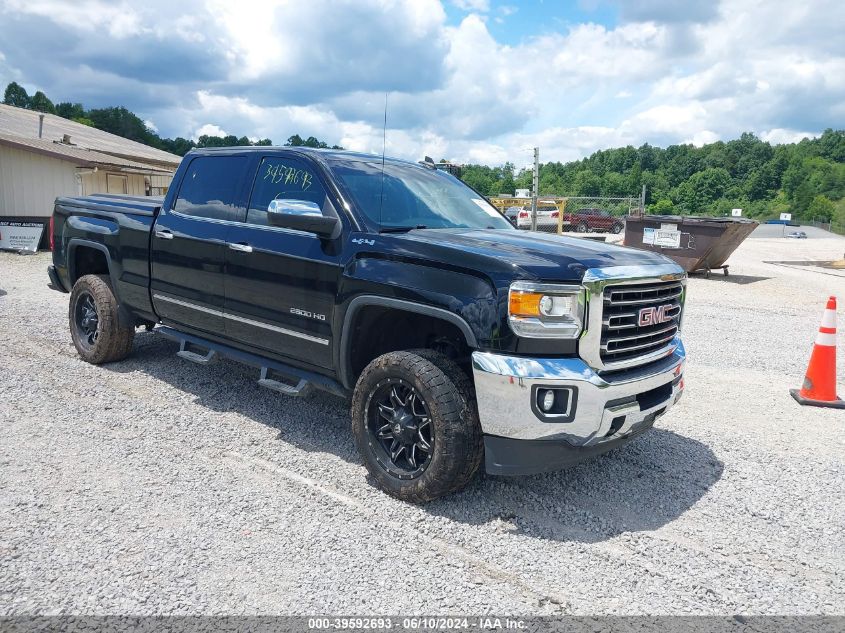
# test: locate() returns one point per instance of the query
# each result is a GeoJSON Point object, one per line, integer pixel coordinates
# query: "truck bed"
{"type": "Point", "coordinates": [115, 202]}
{"type": "Point", "coordinates": [116, 227]}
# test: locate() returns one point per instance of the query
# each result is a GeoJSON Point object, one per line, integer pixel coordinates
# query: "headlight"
{"type": "Point", "coordinates": [545, 310]}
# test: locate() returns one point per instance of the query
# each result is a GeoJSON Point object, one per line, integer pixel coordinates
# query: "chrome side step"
{"type": "Point", "coordinates": [299, 382]}
{"type": "Point", "coordinates": [187, 354]}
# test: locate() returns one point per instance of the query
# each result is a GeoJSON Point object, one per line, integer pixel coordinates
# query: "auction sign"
{"type": "Point", "coordinates": [20, 236]}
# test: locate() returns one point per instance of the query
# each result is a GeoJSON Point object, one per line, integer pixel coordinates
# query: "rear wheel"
{"type": "Point", "coordinates": [581, 228]}
{"type": "Point", "coordinates": [416, 426]}
{"type": "Point", "coordinates": [616, 228]}
{"type": "Point", "coordinates": [94, 325]}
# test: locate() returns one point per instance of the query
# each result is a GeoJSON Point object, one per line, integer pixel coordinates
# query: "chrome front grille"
{"type": "Point", "coordinates": [639, 320]}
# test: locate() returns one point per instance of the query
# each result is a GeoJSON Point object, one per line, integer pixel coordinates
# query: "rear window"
{"type": "Point", "coordinates": [211, 188]}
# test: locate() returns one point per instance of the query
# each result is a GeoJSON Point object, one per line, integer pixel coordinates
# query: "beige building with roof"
{"type": "Point", "coordinates": [43, 156]}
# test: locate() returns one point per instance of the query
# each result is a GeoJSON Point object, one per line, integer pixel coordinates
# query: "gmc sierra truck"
{"type": "Point", "coordinates": [458, 339]}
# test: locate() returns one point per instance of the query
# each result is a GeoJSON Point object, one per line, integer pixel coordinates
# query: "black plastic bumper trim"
{"type": "Point", "coordinates": [508, 456]}
{"type": "Point", "coordinates": [55, 282]}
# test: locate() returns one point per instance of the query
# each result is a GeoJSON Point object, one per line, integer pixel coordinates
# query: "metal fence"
{"type": "Point", "coordinates": [833, 227]}
{"type": "Point", "coordinates": [564, 214]}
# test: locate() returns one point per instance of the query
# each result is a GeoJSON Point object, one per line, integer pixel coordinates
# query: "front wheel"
{"type": "Point", "coordinates": [616, 228]}
{"type": "Point", "coordinates": [581, 228]}
{"type": "Point", "coordinates": [416, 425]}
{"type": "Point", "coordinates": [94, 324]}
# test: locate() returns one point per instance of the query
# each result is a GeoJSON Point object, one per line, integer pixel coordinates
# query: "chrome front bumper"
{"type": "Point", "coordinates": [604, 409]}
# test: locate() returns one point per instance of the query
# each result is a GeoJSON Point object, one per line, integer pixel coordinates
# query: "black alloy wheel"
{"type": "Point", "coordinates": [87, 320]}
{"type": "Point", "coordinates": [415, 424]}
{"type": "Point", "coordinates": [400, 429]}
{"type": "Point", "coordinates": [95, 321]}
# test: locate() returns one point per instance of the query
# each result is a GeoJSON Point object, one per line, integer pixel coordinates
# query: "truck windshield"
{"type": "Point", "coordinates": [414, 197]}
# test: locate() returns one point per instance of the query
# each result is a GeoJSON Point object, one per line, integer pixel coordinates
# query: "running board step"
{"type": "Point", "coordinates": [187, 354]}
{"type": "Point", "coordinates": [300, 389]}
{"type": "Point", "coordinates": [305, 381]}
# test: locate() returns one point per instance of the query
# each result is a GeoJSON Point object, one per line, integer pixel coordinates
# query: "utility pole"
{"type": "Point", "coordinates": [535, 188]}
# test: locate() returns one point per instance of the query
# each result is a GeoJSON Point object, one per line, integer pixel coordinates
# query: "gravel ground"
{"type": "Point", "coordinates": [155, 486]}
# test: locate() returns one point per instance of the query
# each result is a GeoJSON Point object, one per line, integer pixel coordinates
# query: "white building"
{"type": "Point", "coordinates": [43, 156]}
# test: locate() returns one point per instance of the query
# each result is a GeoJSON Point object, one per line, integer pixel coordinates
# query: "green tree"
{"type": "Point", "coordinates": [587, 183]}
{"type": "Point", "coordinates": [120, 121]}
{"type": "Point", "coordinates": [831, 145]}
{"type": "Point", "coordinates": [663, 207]}
{"type": "Point", "coordinates": [69, 110]}
{"type": "Point", "coordinates": [701, 189]}
{"type": "Point", "coordinates": [523, 179]}
{"type": "Point", "coordinates": [16, 95]}
{"type": "Point", "coordinates": [179, 146]}
{"type": "Point", "coordinates": [41, 103]}
{"type": "Point", "coordinates": [507, 183]}
{"type": "Point", "coordinates": [802, 197]}
{"type": "Point", "coordinates": [820, 209]}
{"type": "Point", "coordinates": [478, 179]}
{"type": "Point", "coordinates": [311, 141]}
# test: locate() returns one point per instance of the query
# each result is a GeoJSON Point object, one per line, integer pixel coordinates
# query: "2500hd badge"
{"type": "Point", "coordinates": [307, 314]}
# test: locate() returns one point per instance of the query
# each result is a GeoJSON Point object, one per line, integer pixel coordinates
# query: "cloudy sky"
{"type": "Point", "coordinates": [470, 80]}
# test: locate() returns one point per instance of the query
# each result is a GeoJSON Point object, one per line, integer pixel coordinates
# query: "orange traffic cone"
{"type": "Point", "coordinates": [819, 389]}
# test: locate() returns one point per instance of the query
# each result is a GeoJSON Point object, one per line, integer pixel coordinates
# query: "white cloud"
{"type": "Point", "coordinates": [300, 50]}
{"type": "Point", "coordinates": [481, 6]}
{"type": "Point", "coordinates": [119, 19]}
{"type": "Point", "coordinates": [780, 136]}
{"type": "Point", "coordinates": [208, 129]}
{"type": "Point", "coordinates": [272, 68]}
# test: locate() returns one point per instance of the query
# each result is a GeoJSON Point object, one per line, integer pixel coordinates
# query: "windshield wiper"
{"type": "Point", "coordinates": [401, 229]}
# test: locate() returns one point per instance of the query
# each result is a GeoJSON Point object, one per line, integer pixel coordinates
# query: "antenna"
{"type": "Point", "coordinates": [383, 150]}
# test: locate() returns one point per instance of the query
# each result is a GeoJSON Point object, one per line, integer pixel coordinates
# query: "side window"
{"type": "Point", "coordinates": [281, 178]}
{"type": "Point", "coordinates": [210, 188]}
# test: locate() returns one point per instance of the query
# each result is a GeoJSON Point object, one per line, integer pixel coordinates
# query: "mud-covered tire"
{"type": "Point", "coordinates": [458, 447]}
{"type": "Point", "coordinates": [110, 342]}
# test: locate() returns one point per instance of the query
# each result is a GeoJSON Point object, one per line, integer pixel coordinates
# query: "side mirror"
{"type": "Point", "coordinates": [302, 215]}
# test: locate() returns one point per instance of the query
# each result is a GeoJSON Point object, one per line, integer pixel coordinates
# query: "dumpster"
{"type": "Point", "coordinates": [698, 244]}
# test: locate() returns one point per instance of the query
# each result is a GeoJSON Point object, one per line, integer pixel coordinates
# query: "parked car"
{"type": "Point", "coordinates": [512, 214]}
{"type": "Point", "coordinates": [588, 220]}
{"type": "Point", "coordinates": [547, 217]}
{"type": "Point", "coordinates": [458, 339]}
{"type": "Point", "coordinates": [799, 235]}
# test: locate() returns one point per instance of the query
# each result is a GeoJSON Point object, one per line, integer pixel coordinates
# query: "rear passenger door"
{"type": "Point", "coordinates": [281, 284]}
{"type": "Point", "coordinates": [189, 243]}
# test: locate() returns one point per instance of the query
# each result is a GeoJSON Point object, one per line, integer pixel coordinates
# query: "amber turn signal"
{"type": "Point", "coordinates": [525, 304]}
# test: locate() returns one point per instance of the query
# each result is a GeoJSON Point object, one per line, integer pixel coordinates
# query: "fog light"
{"type": "Point", "coordinates": [547, 400]}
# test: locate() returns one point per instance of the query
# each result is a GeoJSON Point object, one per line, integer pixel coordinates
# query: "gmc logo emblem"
{"type": "Point", "coordinates": [653, 316]}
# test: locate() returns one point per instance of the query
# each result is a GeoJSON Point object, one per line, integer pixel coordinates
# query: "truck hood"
{"type": "Point", "coordinates": [543, 256]}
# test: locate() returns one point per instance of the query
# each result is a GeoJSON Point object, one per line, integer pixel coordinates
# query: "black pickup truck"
{"type": "Point", "coordinates": [459, 339]}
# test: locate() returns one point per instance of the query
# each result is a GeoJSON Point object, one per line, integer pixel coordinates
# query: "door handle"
{"type": "Point", "coordinates": [243, 248]}
{"type": "Point", "coordinates": [164, 234]}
